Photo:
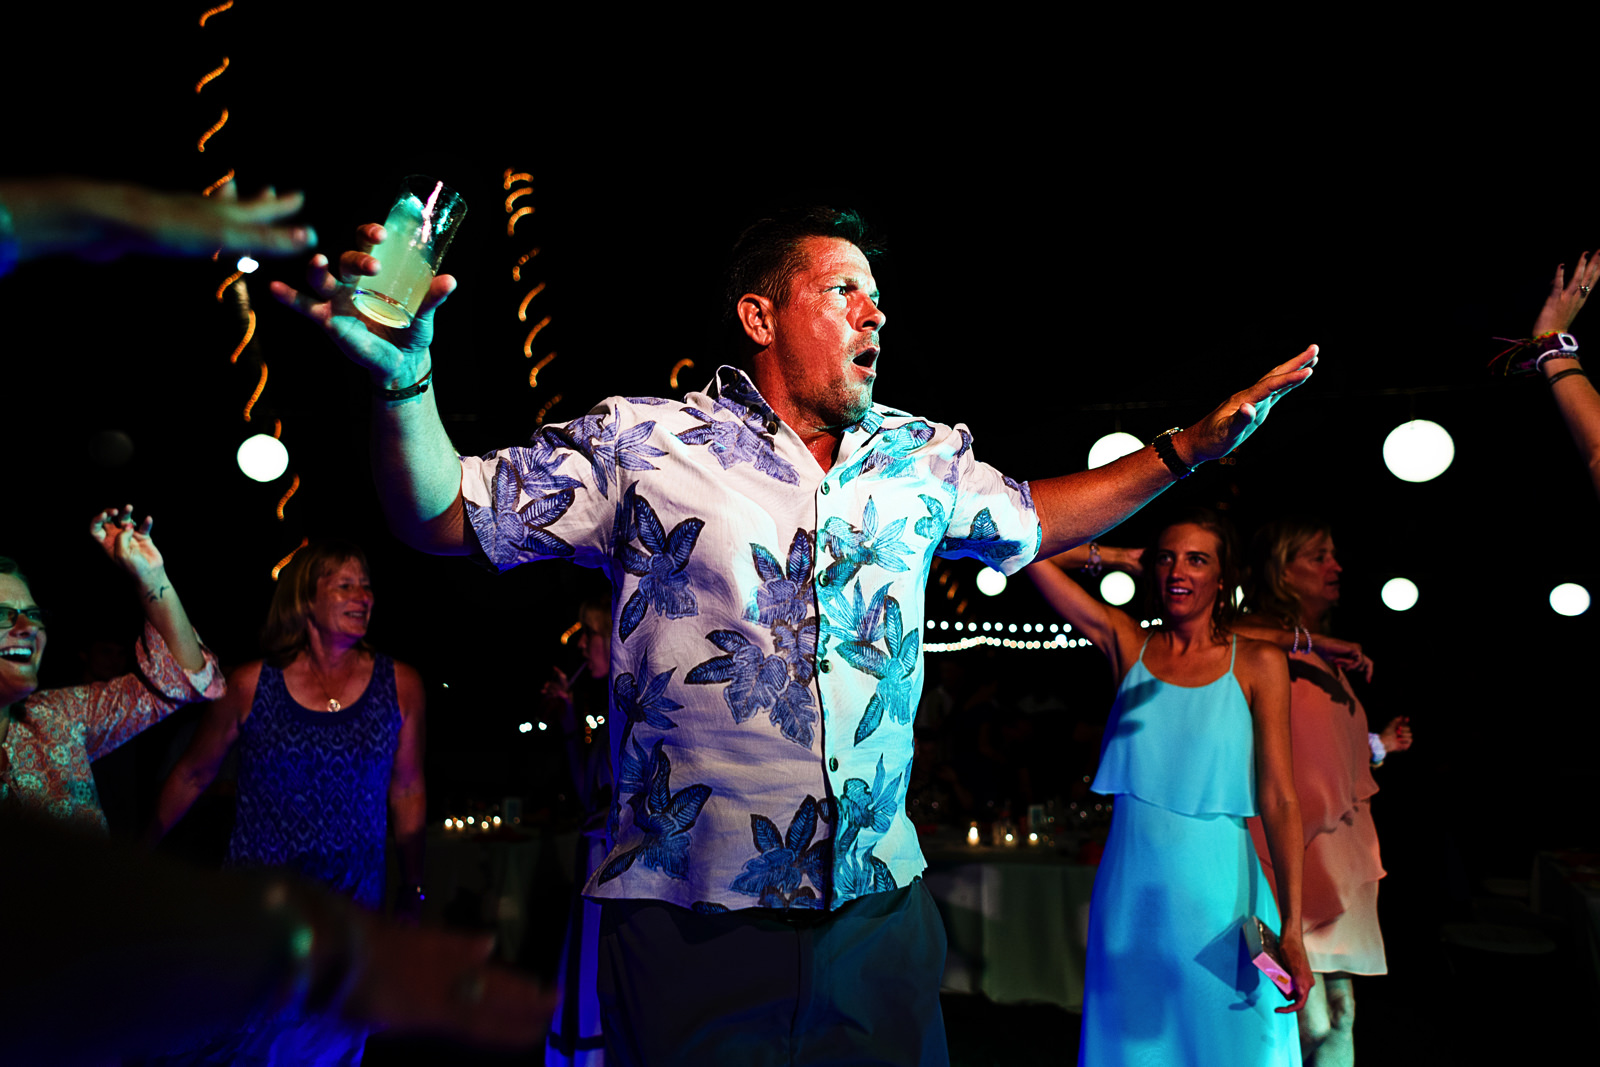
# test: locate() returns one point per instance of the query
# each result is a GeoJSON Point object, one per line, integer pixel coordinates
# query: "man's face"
{"type": "Point", "coordinates": [825, 339]}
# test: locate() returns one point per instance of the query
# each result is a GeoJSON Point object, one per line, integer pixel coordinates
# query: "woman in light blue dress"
{"type": "Point", "coordinates": [1198, 740]}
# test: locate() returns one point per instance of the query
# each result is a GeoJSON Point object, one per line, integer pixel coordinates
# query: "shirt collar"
{"type": "Point", "coordinates": [732, 387]}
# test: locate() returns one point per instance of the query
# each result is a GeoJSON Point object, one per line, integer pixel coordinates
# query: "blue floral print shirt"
{"type": "Point", "coordinates": [767, 628]}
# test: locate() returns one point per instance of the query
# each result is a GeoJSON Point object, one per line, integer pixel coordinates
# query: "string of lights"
{"type": "Point", "coordinates": [236, 283]}
{"type": "Point", "coordinates": [994, 634]}
{"type": "Point", "coordinates": [519, 184]}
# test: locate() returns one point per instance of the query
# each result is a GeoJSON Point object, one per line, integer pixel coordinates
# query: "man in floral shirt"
{"type": "Point", "coordinates": [768, 540]}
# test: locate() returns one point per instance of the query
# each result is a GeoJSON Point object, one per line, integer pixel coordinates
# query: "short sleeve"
{"type": "Point", "coordinates": [114, 712]}
{"type": "Point", "coordinates": [559, 496]}
{"type": "Point", "coordinates": [992, 517]}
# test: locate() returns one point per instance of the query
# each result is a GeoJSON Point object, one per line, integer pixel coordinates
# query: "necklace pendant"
{"type": "Point", "coordinates": [334, 705]}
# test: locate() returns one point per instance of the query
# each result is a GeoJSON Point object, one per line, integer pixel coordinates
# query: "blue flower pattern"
{"type": "Point", "coordinates": [660, 568]}
{"type": "Point", "coordinates": [784, 861]}
{"type": "Point", "coordinates": [655, 486]}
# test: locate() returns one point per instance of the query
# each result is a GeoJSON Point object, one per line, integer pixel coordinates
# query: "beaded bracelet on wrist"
{"type": "Point", "coordinates": [1527, 355]}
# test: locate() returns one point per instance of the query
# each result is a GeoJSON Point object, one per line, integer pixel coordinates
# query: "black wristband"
{"type": "Point", "coordinates": [1569, 372]}
{"type": "Point", "coordinates": [1169, 454]}
{"type": "Point", "coordinates": [417, 388]}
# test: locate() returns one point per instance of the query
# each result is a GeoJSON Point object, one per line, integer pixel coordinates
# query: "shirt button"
{"type": "Point", "coordinates": [833, 763]}
{"type": "Point", "coordinates": [824, 666]}
{"type": "Point", "coordinates": [824, 488]}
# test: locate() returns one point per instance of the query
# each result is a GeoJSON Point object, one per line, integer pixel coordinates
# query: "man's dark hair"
{"type": "Point", "coordinates": [767, 255]}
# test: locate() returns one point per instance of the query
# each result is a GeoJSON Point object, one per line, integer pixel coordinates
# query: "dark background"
{"type": "Point", "coordinates": [1079, 242]}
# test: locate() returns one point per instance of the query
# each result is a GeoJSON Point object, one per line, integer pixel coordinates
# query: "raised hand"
{"type": "Point", "coordinates": [1566, 298]}
{"type": "Point", "coordinates": [395, 358]}
{"type": "Point", "coordinates": [1237, 417]}
{"type": "Point", "coordinates": [128, 545]}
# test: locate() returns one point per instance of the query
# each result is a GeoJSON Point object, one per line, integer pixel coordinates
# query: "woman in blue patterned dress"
{"type": "Point", "coordinates": [330, 740]}
{"type": "Point", "coordinates": [1198, 738]}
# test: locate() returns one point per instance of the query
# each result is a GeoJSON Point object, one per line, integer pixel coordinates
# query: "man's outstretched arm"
{"type": "Point", "coordinates": [414, 464]}
{"type": "Point", "coordinates": [1077, 507]}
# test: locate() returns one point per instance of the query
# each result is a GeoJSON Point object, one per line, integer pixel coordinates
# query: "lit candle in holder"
{"type": "Point", "coordinates": [1033, 838]}
{"type": "Point", "coordinates": [972, 834]}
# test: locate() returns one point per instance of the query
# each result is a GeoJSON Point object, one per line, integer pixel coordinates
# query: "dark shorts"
{"type": "Point", "coordinates": [748, 988]}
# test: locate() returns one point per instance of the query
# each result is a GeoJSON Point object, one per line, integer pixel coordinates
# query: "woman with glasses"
{"type": "Point", "coordinates": [48, 739]}
{"type": "Point", "coordinates": [330, 737]}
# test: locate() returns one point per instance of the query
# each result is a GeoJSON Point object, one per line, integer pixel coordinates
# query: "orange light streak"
{"type": "Point", "coordinates": [513, 197]}
{"type": "Point", "coordinates": [512, 179]}
{"type": "Point", "coordinates": [213, 187]}
{"type": "Point", "coordinates": [215, 11]}
{"type": "Point", "coordinates": [260, 385]}
{"type": "Point", "coordinates": [516, 271]}
{"type": "Point", "coordinates": [277, 428]}
{"type": "Point", "coordinates": [533, 375]}
{"type": "Point", "coordinates": [538, 420]}
{"type": "Point", "coordinates": [682, 364]}
{"type": "Point", "coordinates": [223, 288]}
{"type": "Point", "coordinates": [527, 345]}
{"type": "Point", "coordinates": [570, 632]}
{"type": "Point", "coordinates": [293, 487]}
{"type": "Point", "coordinates": [511, 223]}
{"type": "Point", "coordinates": [204, 137]}
{"type": "Point", "coordinates": [522, 308]}
{"type": "Point", "coordinates": [201, 84]}
{"type": "Point", "coordinates": [249, 332]}
{"type": "Point", "coordinates": [284, 562]}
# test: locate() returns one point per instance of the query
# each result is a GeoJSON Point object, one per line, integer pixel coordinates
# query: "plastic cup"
{"type": "Point", "coordinates": [422, 222]}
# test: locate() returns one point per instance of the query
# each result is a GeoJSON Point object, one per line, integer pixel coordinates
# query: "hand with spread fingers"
{"type": "Point", "coordinates": [1236, 418]}
{"type": "Point", "coordinates": [103, 220]}
{"type": "Point", "coordinates": [1567, 298]}
{"type": "Point", "coordinates": [394, 357]}
{"type": "Point", "coordinates": [129, 545]}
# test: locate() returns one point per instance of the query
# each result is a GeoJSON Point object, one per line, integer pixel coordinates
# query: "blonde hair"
{"type": "Point", "coordinates": [286, 631]}
{"type": "Point", "coordinates": [1267, 591]}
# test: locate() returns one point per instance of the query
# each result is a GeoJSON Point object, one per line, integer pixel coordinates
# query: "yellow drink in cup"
{"type": "Point", "coordinates": [420, 226]}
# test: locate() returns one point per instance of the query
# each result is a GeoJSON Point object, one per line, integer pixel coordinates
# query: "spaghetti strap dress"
{"type": "Point", "coordinates": [1333, 776]}
{"type": "Point", "coordinates": [1168, 982]}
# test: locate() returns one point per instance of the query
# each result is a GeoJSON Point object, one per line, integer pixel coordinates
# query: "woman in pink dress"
{"type": "Point", "coordinates": [1294, 585]}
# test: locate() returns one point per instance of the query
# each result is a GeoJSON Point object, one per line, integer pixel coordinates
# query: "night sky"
{"type": "Point", "coordinates": [1075, 246]}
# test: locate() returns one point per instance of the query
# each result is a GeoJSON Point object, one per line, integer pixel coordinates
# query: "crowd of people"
{"type": "Point", "coordinates": [753, 888]}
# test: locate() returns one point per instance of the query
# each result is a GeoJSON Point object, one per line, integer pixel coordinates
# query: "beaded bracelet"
{"type": "Point", "coordinates": [1527, 355]}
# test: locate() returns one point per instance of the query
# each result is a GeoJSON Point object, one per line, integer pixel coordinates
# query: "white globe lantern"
{"type": "Point", "coordinates": [263, 457]}
{"type": "Point", "coordinates": [1112, 446]}
{"type": "Point", "coordinates": [1569, 599]}
{"type": "Point", "coordinates": [1418, 451]}
{"type": "Point", "coordinates": [991, 582]}
{"type": "Point", "coordinates": [1116, 588]}
{"type": "Point", "coordinates": [1399, 594]}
